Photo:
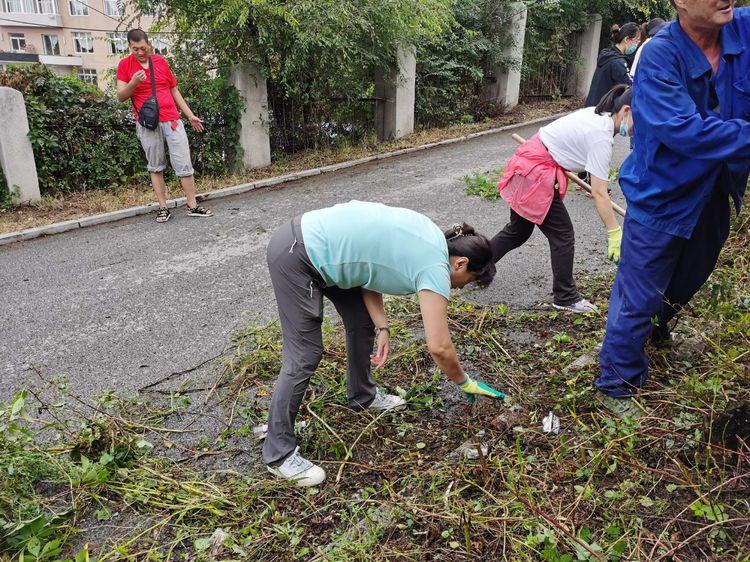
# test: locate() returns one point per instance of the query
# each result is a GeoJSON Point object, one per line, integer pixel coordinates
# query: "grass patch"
{"type": "Point", "coordinates": [483, 185]}
{"type": "Point", "coordinates": [125, 481]}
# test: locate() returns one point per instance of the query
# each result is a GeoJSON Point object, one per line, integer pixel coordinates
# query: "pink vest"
{"type": "Point", "coordinates": [528, 182]}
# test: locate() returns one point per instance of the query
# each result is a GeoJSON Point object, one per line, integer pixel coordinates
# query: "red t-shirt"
{"type": "Point", "coordinates": [164, 79]}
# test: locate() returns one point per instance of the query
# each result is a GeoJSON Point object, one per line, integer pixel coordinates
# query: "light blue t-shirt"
{"type": "Point", "coordinates": [385, 249]}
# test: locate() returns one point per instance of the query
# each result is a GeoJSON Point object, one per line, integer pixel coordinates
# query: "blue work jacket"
{"type": "Point", "coordinates": [691, 128]}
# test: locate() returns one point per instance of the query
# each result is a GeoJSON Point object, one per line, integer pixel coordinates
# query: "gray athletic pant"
{"type": "Point", "coordinates": [299, 291]}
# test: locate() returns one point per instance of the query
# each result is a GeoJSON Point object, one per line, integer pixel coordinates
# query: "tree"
{"type": "Point", "coordinates": [638, 11]}
{"type": "Point", "coordinates": [329, 45]}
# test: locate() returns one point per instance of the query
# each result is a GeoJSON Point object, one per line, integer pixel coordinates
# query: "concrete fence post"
{"type": "Point", "coordinates": [503, 84]}
{"type": "Point", "coordinates": [581, 75]}
{"type": "Point", "coordinates": [254, 124]}
{"type": "Point", "coordinates": [16, 155]}
{"type": "Point", "coordinates": [395, 93]}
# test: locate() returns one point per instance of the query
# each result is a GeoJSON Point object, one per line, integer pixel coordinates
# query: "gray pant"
{"type": "Point", "coordinates": [177, 144]}
{"type": "Point", "coordinates": [299, 291]}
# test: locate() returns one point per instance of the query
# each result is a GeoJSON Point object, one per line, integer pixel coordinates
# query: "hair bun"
{"type": "Point", "coordinates": [615, 31]}
{"type": "Point", "coordinates": [458, 230]}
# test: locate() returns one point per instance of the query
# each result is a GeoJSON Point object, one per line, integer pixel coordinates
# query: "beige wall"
{"type": "Point", "coordinates": [101, 60]}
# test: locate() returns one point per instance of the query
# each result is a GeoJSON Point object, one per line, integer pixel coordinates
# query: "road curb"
{"type": "Point", "coordinates": [104, 218]}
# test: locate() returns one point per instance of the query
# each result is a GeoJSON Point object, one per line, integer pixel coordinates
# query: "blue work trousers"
{"type": "Point", "coordinates": [658, 275]}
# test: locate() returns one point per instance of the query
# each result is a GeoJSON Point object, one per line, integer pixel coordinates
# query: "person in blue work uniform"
{"type": "Point", "coordinates": [691, 112]}
{"type": "Point", "coordinates": [353, 253]}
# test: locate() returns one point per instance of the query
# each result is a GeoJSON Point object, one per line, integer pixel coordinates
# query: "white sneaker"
{"type": "Point", "coordinates": [384, 402]}
{"type": "Point", "coordinates": [300, 470]}
{"type": "Point", "coordinates": [581, 307]}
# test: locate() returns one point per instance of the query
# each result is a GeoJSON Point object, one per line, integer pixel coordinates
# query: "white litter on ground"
{"type": "Point", "coordinates": [469, 450]}
{"type": "Point", "coordinates": [260, 431]}
{"type": "Point", "coordinates": [551, 424]}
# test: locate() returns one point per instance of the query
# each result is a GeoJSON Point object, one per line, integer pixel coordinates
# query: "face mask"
{"type": "Point", "coordinates": [625, 128]}
{"type": "Point", "coordinates": [630, 49]}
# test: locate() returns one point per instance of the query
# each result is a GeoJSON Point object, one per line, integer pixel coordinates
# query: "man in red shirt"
{"type": "Point", "coordinates": [134, 83]}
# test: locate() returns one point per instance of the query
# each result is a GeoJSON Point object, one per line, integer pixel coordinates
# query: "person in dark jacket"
{"type": "Point", "coordinates": [612, 67]}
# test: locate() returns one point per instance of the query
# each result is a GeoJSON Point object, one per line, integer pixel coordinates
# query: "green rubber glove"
{"type": "Point", "coordinates": [615, 240]}
{"type": "Point", "coordinates": [473, 388]}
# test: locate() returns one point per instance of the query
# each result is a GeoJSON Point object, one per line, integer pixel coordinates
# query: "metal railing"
{"type": "Point", "coordinates": [45, 7]}
{"type": "Point", "coordinates": [549, 64]}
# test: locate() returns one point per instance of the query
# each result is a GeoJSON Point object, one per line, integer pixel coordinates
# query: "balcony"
{"type": "Point", "coordinates": [29, 13]}
{"type": "Point", "coordinates": [18, 58]}
{"type": "Point", "coordinates": [57, 60]}
{"type": "Point", "coordinates": [30, 20]}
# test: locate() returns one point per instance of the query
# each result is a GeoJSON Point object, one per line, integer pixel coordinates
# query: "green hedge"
{"type": "Point", "coordinates": [84, 139]}
{"type": "Point", "coordinates": [451, 67]}
{"type": "Point", "coordinates": [5, 200]}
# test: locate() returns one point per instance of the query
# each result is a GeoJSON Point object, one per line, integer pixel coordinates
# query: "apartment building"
{"type": "Point", "coordinates": [82, 36]}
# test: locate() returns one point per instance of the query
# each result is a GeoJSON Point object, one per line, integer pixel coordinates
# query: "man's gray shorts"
{"type": "Point", "coordinates": [177, 143]}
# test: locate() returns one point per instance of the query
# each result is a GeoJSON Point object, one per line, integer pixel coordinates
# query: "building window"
{"type": "Point", "coordinates": [46, 6]}
{"type": "Point", "coordinates": [118, 43]}
{"type": "Point", "coordinates": [78, 8]}
{"type": "Point", "coordinates": [82, 42]}
{"type": "Point", "coordinates": [87, 75]}
{"type": "Point", "coordinates": [14, 6]}
{"type": "Point", "coordinates": [159, 46]}
{"type": "Point", "coordinates": [51, 44]}
{"type": "Point", "coordinates": [29, 6]}
{"type": "Point", "coordinates": [112, 7]}
{"type": "Point", "coordinates": [17, 42]}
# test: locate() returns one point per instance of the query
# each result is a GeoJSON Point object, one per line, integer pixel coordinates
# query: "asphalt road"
{"type": "Point", "coordinates": [118, 306]}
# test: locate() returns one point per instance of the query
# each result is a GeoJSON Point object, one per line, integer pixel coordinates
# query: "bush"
{"type": "Point", "coordinates": [319, 58]}
{"type": "Point", "coordinates": [451, 68]}
{"type": "Point", "coordinates": [83, 139]}
{"type": "Point", "coordinates": [5, 198]}
{"type": "Point", "coordinates": [218, 103]}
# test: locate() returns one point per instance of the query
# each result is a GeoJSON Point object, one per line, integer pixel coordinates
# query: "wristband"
{"type": "Point", "coordinates": [383, 329]}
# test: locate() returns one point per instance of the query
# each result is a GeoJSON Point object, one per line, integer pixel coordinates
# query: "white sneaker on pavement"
{"type": "Point", "coordinates": [581, 307]}
{"type": "Point", "coordinates": [299, 470]}
{"type": "Point", "coordinates": [384, 402]}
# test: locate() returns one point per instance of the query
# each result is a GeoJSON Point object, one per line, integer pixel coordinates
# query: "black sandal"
{"type": "Point", "coordinates": [199, 211]}
{"type": "Point", "coordinates": [163, 214]}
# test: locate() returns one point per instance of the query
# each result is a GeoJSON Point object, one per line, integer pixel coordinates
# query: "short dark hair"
{"type": "Point", "coordinates": [614, 100]}
{"type": "Point", "coordinates": [464, 241]}
{"type": "Point", "coordinates": [136, 35]}
{"type": "Point", "coordinates": [655, 26]}
{"type": "Point", "coordinates": [630, 30]}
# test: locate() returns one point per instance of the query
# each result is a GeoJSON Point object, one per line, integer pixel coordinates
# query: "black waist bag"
{"type": "Point", "coordinates": [148, 115]}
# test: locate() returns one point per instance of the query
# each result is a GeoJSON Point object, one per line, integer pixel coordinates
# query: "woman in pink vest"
{"type": "Point", "coordinates": [534, 185]}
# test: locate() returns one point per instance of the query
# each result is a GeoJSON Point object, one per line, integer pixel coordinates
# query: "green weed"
{"type": "Point", "coordinates": [483, 185]}
{"type": "Point", "coordinates": [664, 487]}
